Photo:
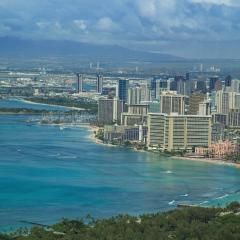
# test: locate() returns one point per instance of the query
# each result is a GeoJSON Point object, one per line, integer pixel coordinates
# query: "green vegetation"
{"type": "Point", "coordinates": [85, 103]}
{"type": "Point", "coordinates": [28, 111]}
{"type": "Point", "coordinates": [181, 224]}
{"type": "Point", "coordinates": [22, 111]}
{"type": "Point", "coordinates": [100, 134]}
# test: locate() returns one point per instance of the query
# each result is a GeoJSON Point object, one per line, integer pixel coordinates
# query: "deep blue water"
{"type": "Point", "coordinates": [47, 173]}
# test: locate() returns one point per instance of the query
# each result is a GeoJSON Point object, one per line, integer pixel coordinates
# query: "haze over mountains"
{"type": "Point", "coordinates": [12, 46]}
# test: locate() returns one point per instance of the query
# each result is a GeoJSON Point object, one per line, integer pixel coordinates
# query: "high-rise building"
{"type": "Point", "coordinates": [205, 108]}
{"type": "Point", "coordinates": [138, 94]}
{"type": "Point", "coordinates": [153, 88]}
{"type": "Point", "coordinates": [99, 84]}
{"type": "Point", "coordinates": [79, 83]}
{"type": "Point", "coordinates": [178, 132]}
{"type": "Point", "coordinates": [122, 90]}
{"type": "Point", "coordinates": [234, 100]}
{"type": "Point", "coordinates": [212, 82]}
{"type": "Point", "coordinates": [228, 81]}
{"type": "Point", "coordinates": [218, 85]}
{"type": "Point", "coordinates": [201, 86]}
{"type": "Point", "coordinates": [222, 102]}
{"type": "Point", "coordinates": [194, 101]}
{"type": "Point", "coordinates": [234, 118]}
{"type": "Point", "coordinates": [235, 85]}
{"type": "Point", "coordinates": [183, 85]}
{"type": "Point", "coordinates": [220, 118]}
{"type": "Point", "coordinates": [226, 100]}
{"type": "Point", "coordinates": [162, 85]}
{"type": "Point", "coordinates": [109, 111]}
{"type": "Point", "coordinates": [171, 102]}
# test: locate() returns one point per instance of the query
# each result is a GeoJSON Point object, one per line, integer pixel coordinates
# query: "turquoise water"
{"type": "Point", "coordinates": [18, 103]}
{"type": "Point", "coordinates": [47, 173]}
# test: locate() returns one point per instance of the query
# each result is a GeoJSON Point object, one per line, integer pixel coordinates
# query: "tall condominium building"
{"type": "Point", "coordinates": [226, 100]}
{"type": "Point", "coordinates": [99, 84]}
{"type": "Point", "coordinates": [228, 81]}
{"type": "Point", "coordinates": [235, 84]}
{"type": "Point", "coordinates": [178, 132]}
{"type": "Point", "coordinates": [171, 102]}
{"type": "Point", "coordinates": [234, 100]}
{"type": "Point", "coordinates": [234, 118]}
{"type": "Point", "coordinates": [218, 85]}
{"type": "Point", "coordinates": [153, 88]}
{"type": "Point", "coordinates": [139, 94]}
{"type": "Point", "coordinates": [122, 89]}
{"type": "Point", "coordinates": [222, 102]}
{"type": "Point", "coordinates": [194, 101]}
{"type": "Point", "coordinates": [212, 83]}
{"type": "Point", "coordinates": [163, 85]}
{"type": "Point", "coordinates": [79, 83]}
{"type": "Point", "coordinates": [183, 87]}
{"type": "Point", "coordinates": [109, 111]}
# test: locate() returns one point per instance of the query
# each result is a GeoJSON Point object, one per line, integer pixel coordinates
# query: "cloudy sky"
{"type": "Point", "coordinates": [189, 28]}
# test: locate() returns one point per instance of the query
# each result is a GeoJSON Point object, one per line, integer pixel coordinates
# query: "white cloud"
{"type": "Point", "coordinates": [106, 24]}
{"type": "Point", "coordinates": [218, 2]}
{"type": "Point", "coordinates": [80, 24]}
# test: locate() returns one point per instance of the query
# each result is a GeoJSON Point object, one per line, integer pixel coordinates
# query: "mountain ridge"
{"type": "Point", "coordinates": [13, 46]}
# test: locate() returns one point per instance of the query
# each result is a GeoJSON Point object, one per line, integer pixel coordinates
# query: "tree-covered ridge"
{"type": "Point", "coordinates": [180, 224]}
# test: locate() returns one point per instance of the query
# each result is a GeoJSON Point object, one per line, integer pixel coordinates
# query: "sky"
{"type": "Point", "coordinates": [187, 28]}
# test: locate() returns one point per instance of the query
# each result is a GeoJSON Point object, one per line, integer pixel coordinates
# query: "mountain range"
{"type": "Point", "coordinates": [13, 46]}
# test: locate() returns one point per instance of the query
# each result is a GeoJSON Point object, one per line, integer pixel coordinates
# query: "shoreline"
{"type": "Point", "coordinates": [204, 160]}
{"type": "Point", "coordinates": [92, 137]}
{"type": "Point", "coordinates": [52, 105]}
{"type": "Point", "coordinates": [207, 160]}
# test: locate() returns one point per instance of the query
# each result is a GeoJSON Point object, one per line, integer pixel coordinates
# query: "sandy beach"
{"type": "Point", "coordinates": [93, 129]}
{"type": "Point", "coordinates": [208, 160]}
{"type": "Point", "coordinates": [53, 105]}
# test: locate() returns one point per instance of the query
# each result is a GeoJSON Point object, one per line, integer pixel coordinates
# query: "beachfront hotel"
{"type": "Point", "coordinates": [109, 110]}
{"type": "Point", "coordinates": [178, 132]}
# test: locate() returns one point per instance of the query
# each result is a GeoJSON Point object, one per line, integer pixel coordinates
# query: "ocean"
{"type": "Point", "coordinates": [48, 173]}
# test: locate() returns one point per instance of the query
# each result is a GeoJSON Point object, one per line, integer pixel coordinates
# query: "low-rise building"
{"type": "Point", "coordinates": [222, 149]}
{"type": "Point", "coordinates": [201, 151]}
{"type": "Point", "coordinates": [121, 134]}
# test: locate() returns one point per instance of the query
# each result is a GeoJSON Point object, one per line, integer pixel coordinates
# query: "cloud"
{"type": "Point", "coordinates": [80, 24]}
{"type": "Point", "coordinates": [218, 2]}
{"type": "Point", "coordinates": [106, 24]}
{"type": "Point", "coordinates": [154, 25]}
